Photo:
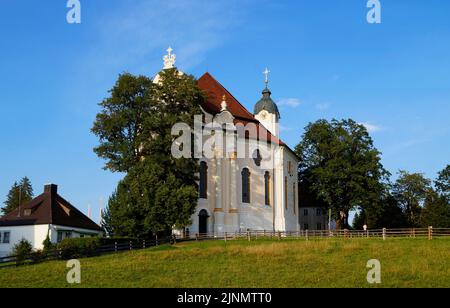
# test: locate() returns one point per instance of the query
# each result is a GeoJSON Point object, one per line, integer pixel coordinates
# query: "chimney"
{"type": "Point", "coordinates": [51, 189]}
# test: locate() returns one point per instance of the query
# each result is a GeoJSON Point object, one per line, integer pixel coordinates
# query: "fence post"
{"type": "Point", "coordinates": [156, 240]}
{"type": "Point", "coordinates": [131, 245]}
{"type": "Point", "coordinates": [248, 236]}
{"type": "Point", "coordinates": [307, 234]}
{"type": "Point", "coordinates": [174, 239]}
{"type": "Point", "coordinates": [143, 244]}
{"type": "Point", "coordinates": [384, 234]}
{"type": "Point", "coordinates": [115, 246]}
{"type": "Point", "coordinates": [279, 235]}
{"type": "Point", "coordinates": [225, 236]}
{"type": "Point", "coordinates": [196, 237]}
{"type": "Point", "coordinates": [430, 233]}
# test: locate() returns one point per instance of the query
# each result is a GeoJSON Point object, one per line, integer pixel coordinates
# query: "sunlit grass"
{"type": "Point", "coordinates": [255, 264]}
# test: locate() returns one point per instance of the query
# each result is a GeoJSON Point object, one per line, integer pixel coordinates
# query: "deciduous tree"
{"type": "Point", "coordinates": [341, 166]}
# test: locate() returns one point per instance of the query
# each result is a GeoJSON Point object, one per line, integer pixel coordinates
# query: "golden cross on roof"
{"type": "Point", "coordinates": [266, 73]}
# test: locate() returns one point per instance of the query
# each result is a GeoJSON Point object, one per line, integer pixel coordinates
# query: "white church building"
{"type": "Point", "coordinates": [243, 193]}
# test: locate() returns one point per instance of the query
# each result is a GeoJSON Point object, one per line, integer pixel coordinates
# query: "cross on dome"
{"type": "Point", "coordinates": [266, 73]}
{"type": "Point", "coordinates": [169, 59]}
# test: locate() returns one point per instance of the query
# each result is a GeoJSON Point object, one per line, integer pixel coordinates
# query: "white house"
{"type": "Point", "coordinates": [48, 214]}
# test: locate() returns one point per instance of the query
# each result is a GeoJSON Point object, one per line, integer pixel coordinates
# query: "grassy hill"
{"type": "Point", "coordinates": [258, 264]}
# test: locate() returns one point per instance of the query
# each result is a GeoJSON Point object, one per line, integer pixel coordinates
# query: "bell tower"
{"type": "Point", "coordinates": [266, 111]}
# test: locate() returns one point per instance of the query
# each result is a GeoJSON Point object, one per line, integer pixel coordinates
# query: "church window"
{"type": "Point", "coordinates": [257, 158]}
{"type": "Point", "coordinates": [267, 187]}
{"type": "Point", "coordinates": [294, 197]}
{"type": "Point", "coordinates": [285, 192]}
{"type": "Point", "coordinates": [246, 185]}
{"type": "Point", "coordinates": [203, 189]}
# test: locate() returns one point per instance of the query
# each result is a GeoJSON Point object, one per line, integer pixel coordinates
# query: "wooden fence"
{"type": "Point", "coordinates": [251, 235]}
{"type": "Point", "coordinates": [384, 234]}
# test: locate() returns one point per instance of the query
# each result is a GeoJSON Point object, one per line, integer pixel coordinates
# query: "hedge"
{"type": "Point", "coordinates": [72, 248]}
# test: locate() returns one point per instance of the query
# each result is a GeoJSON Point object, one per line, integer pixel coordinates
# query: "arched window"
{"type": "Point", "coordinates": [267, 187]}
{"type": "Point", "coordinates": [203, 189]}
{"type": "Point", "coordinates": [246, 185]}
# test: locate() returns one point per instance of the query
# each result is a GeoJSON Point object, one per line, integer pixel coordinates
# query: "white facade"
{"type": "Point", "coordinates": [226, 212]}
{"type": "Point", "coordinates": [36, 234]}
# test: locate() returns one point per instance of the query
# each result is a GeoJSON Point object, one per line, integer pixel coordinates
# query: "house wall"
{"type": "Point", "coordinates": [36, 234]}
{"type": "Point", "coordinates": [312, 219]}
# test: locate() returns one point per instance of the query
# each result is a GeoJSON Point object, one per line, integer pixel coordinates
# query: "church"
{"type": "Point", "coordinates": [239, 193]}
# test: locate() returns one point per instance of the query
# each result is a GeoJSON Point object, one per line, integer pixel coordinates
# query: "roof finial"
{"type": "Point", "coordinates": [224, 105]}
{"type": "Point", "coordinates": [169, 59]}
{"type": "Point", "coordinates": [266, 73]}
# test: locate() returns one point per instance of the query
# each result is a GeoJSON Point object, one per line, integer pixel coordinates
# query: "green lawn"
{"type": "Point", "coordinates": [256, 264]}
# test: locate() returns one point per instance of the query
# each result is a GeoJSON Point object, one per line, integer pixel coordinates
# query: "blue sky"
{"type": "Point", "coordinates": [326, 62]}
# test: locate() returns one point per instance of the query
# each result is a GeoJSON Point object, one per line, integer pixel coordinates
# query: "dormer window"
{"type": "Point", "coordinates": [27, 212]}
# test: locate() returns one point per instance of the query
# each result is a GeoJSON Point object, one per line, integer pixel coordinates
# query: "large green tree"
{"type": "Point", "coordinates": [135, 130]}
{"type": "Point", "coordinates": [383, 214]}
{"type": "Point", "coordinates": [436, 211]}
{"type": "Point", "coordinates": [443, 182]}
{"type": "Point", "coordinates": [341, 166]}
{"type": "Point", "coordinates": [119, 125]}
{"type": "Point", "coordinates": [410, 190]}
{"type": "Point", "coordinates": [20, 193]}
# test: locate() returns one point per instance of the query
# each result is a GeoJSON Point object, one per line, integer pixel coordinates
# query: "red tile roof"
{"type": "Point", "coordinates": [214, 93]}
{"type": "Point", "coordinates": [49, 208]}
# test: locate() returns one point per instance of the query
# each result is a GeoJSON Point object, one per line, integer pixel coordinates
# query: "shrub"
{"type": "Point", "coordinates": [22, 251]}
{"type": "Point", "coordinates": [72, 248]}
{"type": "Point", "coordinates": [48, 245]}
{"type": "Point", "coordinates": [37, 256]}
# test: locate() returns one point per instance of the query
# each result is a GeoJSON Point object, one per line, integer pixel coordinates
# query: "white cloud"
{"type": "Point", "coordinates": [322, 106]}
{"type": "Point", "coordinates": [289, 102]}
{"type": "Point", "coordinates": [371, 128]}
{"type": "Point", "coordinates": [136, 36]}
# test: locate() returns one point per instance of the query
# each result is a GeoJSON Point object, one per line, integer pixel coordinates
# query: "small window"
{"type": "Point", "coordinates": [305, 212]}
{"type": "Point", "coordinates": [68, 234]}
{"type": "Point", "coordinates": [60, 237]}
{"type": "Point", "coordinates": [267, 188]}
{"type": "Point", "coordinates": [257, 158]}
{"type": "Point", "coordinates": [245, 185]}
{"type": "Point", "coordinates": [306, 226]}
{"type": "Point", "coordinates": [319, 212]}
{"type": "Point", "coordinates": [6, 237]}
{"type": "Point", "coordinates": [203, 189]}
{"type": "Point", "coordinates": [0, 237]}
{"type": "Point", "coordinates": [27, 212]}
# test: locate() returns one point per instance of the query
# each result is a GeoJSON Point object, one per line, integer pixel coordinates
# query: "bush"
{"type": "Point", "coordinates": [72, 248]}
{"type": "Point", "coordinates": [37, 256]}
{"type": "Point", "coordinates": [48, 245]}
{"type": "Point", "coordinates": [22, 251]}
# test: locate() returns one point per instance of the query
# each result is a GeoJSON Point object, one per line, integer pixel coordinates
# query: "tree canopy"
{"type": "Point", "coordinates": [20, 193]}
{"type": "Point", "coordinates": [341, 166]}
{"type": "Point", "coordinates": [158, 191]}
{"type": "Point", "coordinates": [443, 182]}
{"type": "Point", "coordinates": [410, 190]}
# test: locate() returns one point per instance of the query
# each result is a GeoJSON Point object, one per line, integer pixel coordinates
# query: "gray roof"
{"type": "Point", "coordinates": [266, 103]}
